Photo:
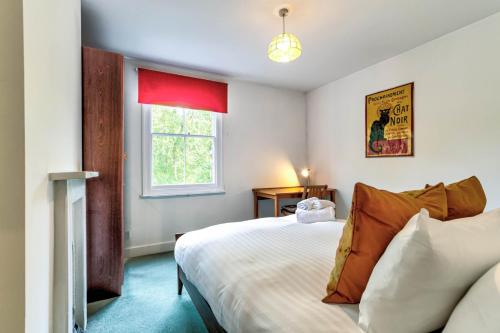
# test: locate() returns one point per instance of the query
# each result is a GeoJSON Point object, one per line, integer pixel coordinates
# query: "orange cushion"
{"type": "Point", "coordinates": [465, 198]}
{"type": "Point", "coordinates": [376, 217]}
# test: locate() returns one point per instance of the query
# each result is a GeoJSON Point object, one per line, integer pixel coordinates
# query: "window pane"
{"type": "Point", "coordinates": [168, 160]}
{"type": "Point", "coordinates": [198, 122]}
{"type": "Point", "coordinates": [167, 119]}
{"type": "Point", "coordinates": [199, 160]}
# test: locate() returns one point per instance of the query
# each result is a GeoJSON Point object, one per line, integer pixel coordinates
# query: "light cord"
{"type": "Point", "coordinates": [284, 23]}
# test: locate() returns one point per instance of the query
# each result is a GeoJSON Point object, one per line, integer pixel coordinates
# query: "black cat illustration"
{"type": "Point", "coordinates": [377, 129]}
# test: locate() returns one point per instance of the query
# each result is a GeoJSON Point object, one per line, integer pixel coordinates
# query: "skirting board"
{"type": "Point", "coordinates": [144, 250]}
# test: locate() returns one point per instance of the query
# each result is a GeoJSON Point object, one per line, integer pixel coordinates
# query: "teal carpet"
{"type": "Point", "coordinates": [149, 301]}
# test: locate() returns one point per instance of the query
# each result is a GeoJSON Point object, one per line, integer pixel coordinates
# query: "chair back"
{"type": "Point", "coordinates": [318, 191]}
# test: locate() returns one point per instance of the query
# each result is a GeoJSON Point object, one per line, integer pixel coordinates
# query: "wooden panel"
{"type": "Point", "coordinates": [103, 142]}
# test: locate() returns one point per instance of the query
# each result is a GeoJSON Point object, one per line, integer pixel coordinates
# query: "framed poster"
{"type": "Point", "coordinates": [389, 122]}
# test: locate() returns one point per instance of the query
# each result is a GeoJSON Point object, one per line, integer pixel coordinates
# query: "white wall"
{"type": "Point", "coordinates": [263, 144]}
{"type": "Point", "coordinates": [11, 167]}
{"type": "Point", "coordinates": [52, 53]}
{"type": "Point", "coordinates": [457, 117]}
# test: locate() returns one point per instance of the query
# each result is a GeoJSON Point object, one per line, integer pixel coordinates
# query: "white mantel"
{"type": "Point", "coordinates": [73, 175]}
{"type": "Point", "coordinates": [70, 257]}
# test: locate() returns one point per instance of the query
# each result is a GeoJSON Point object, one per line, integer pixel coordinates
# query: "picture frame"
{"type": "Point", "coordinates": [389, 122]}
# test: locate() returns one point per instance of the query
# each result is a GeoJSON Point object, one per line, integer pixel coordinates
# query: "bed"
{"type": "Point", "coordinates": [264, 275]}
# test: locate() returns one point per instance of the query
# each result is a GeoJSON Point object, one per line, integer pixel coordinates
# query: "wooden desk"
{"type": "Point", "coordinates": [278, 193]}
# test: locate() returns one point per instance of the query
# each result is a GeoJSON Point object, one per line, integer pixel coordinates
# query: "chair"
{"type": "Point", "coordinates": [310, 191]}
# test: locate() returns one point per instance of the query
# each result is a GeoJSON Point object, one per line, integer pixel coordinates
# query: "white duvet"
{"type": "Point", "coordinates": [267, 275]}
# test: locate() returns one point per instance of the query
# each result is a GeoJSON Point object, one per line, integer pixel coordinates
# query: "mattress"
{"type": "Point", "coordinates": [267, 275]}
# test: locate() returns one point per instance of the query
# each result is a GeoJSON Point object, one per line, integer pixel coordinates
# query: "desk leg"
{"type": "Point", "coordinates": [277, 206]}
{"type": "Point", "coordinates": [255, 206]}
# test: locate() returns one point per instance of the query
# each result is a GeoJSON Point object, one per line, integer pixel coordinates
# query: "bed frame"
{"type": "Point", "coordinates": [199, 302]}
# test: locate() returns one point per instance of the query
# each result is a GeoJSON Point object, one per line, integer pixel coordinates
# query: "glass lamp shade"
{"type": "Point", "coordinates": [284, 48]}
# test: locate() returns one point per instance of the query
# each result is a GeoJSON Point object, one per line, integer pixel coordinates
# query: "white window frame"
{"type": "Point", "coordinates": [149, 190]}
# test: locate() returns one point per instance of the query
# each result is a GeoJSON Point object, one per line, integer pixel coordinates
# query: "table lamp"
{"type": "Point", "coordinates": [306, 172]}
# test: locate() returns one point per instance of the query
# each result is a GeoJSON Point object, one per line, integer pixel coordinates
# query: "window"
{"type": "Point", "coordinates": [181, 151]}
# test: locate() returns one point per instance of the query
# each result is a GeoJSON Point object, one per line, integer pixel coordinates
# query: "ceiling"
{"type": "Point", "coordinates": [230, 37]}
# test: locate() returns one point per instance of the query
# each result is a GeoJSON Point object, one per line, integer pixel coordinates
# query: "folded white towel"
{"type": "Point", "coordinates": [320, 204]}
{"type": "Point", "coordinates": [315, 215]}
{"type": "Point", "coordinates": [314, 203]}
{"type": "Point", "coordinates": [306, 204]}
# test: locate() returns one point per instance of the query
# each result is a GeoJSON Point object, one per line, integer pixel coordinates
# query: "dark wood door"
{"type": "Point", "coordinates": [103, 151]}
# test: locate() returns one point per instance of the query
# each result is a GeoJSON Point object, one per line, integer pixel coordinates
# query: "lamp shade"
{"type": "Point", "coordinates": [305, 173]}
{"type": "Point", "coordinates": [284, 48]}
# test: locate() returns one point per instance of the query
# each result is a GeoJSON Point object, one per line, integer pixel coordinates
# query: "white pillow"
{"type": "Point", "coordinates": [425, 271]}
{"type": "Point", "coordinates": [479, 310]}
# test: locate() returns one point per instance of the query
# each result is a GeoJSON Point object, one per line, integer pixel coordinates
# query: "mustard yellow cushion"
{"type": "Point", "coordinates": [376, 216]}
{"type": "Point", "coordinates": [465, 198]}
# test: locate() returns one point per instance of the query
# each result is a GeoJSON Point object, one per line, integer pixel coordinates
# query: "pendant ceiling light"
{"type": "Point", "coordinates": [285, 47]}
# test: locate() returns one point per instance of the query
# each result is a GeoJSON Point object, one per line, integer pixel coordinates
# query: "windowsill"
{"type": "Point", "coordinates": [174, 194]}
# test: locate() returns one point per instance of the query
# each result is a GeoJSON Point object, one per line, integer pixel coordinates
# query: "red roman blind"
{"type": "Point", "coordinates": [177, 90]}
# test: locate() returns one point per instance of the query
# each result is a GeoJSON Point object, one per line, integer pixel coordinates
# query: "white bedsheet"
{"type": "Point", "coordinates": [267, 275]}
